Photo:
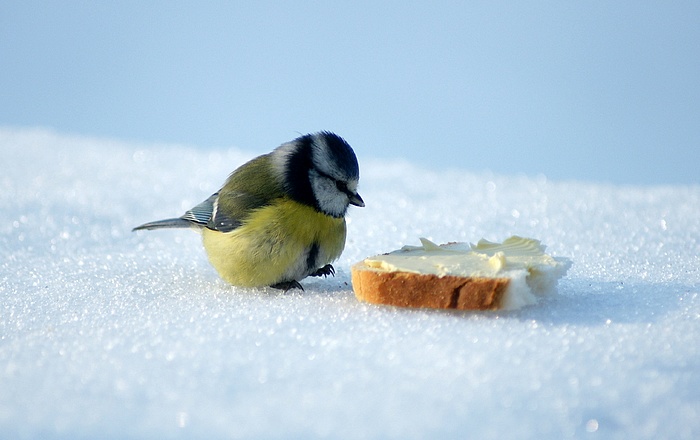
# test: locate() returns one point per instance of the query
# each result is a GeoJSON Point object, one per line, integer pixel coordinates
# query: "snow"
{"type": "Point", "coordinates": [113, 334]}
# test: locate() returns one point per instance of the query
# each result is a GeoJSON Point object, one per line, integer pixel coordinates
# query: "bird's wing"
{"type": "Point", "coordinates": [201, 214]}
{"type": "Point", "coordinates": [250, 187]}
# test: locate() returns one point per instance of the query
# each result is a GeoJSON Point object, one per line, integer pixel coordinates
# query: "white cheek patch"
{"type": "Point", "coordinates": [329, 199]}
{"type": "Point", "coordinates": [324, 189]}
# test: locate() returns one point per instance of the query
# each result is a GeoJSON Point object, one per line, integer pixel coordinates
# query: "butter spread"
{"type": "Point", "coordinates": [523, 260]}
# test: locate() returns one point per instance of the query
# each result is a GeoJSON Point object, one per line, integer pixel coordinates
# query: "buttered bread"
{"type": "Point", "coordinates": [482, 276]}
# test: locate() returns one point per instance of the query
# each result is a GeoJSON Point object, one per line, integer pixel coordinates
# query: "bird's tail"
{"type": "Point", "coordinates": [167, 223]}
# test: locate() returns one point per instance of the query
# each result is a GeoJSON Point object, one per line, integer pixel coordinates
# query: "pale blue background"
{"type": "Point", "coordinates": [586, 90]}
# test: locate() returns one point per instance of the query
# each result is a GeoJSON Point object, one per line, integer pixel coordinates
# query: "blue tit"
{"type": "Point", "coordinates": [281, 216]}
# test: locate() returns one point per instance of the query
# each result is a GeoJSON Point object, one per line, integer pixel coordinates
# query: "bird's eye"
{"type": "Point", "coordinates": [342, 186]}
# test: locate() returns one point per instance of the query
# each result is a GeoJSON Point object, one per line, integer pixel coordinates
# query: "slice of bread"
{"type": "Point", "coordinates": [486, 276]}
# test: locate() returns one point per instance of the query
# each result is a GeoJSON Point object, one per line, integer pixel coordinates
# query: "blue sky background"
{"type": "Point", "coordinates": [595, 90]}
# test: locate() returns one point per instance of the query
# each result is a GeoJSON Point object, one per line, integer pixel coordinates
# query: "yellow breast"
{"type": "Point", "coordinates": [274, 245]}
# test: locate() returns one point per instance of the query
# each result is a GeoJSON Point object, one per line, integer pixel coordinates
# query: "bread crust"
{"type": "Point", "coordinates": [406, 289]}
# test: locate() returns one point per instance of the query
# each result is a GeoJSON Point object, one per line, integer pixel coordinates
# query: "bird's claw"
{"type": "Point", "coordinates": [288, 285]}
{"type": "Point", "coordinates": [324, 271]}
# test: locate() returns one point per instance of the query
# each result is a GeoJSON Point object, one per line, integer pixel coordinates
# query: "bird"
{"type": "Point", "coordinates": [280, 217]}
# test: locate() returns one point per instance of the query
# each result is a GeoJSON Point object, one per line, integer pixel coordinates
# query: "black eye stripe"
{"type": "Point", "coordinates": [327, 176]}
{"type": "Point", "coordinates": [342, 186]}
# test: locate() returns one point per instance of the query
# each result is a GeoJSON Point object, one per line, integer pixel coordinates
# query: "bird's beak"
{"type": "Point", "coordinates": [356, 200]}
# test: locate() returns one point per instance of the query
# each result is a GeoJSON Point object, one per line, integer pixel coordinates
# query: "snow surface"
{"type": "Point", "coordinates": [113, 334]}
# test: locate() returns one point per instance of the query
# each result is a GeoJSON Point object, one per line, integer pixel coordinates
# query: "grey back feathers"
{"type": "Point", "coordinates": [207, 214]}
{"type": "Point", "coordinates": [202, 213]}
{"type": "Point", "coordinates": [197, 217]}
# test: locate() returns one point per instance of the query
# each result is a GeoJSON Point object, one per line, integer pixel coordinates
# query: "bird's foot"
{"type": "Point", "coordinates": [288, 285]}
{"type": "Point", "coordinates": [324, 271]}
